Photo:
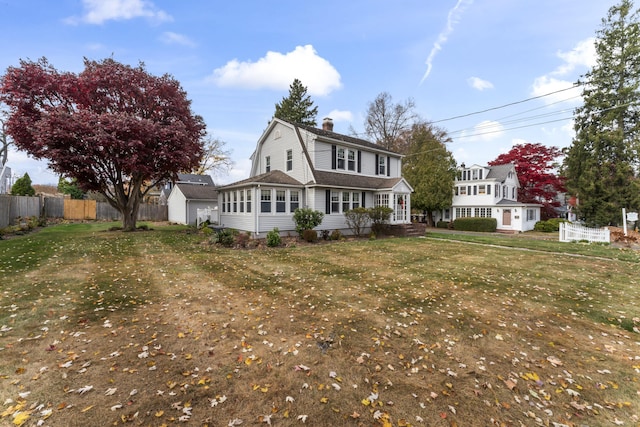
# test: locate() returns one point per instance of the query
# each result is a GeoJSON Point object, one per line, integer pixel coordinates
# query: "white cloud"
{"type": "Point", "coordinates": [100, 11]}
{"type": "Point", "coordinates": [340, 116]}
{"type": "Point", "coordinates": [277, 70]}
{"type": "Point", "coordinates": [169, 37]}
{"type": "Point", "coordinates": [582, 56]}
{"type": "Point", "coordinates": [452, 18]}
{"type": "Point", "coordinates": [479, 84]}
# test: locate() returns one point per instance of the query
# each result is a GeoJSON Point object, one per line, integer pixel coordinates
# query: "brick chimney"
{"type": "Point", "coordinates": [327, 124]}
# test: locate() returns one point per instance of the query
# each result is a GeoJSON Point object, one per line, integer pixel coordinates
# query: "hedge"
{"type": "Point", "coordinates": [475, 224]}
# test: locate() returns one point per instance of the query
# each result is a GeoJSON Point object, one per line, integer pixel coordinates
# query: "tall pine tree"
{"type": "Point", "coordinates": [298, 106]}
{"type": "Point", "coordinates": [602, 162]}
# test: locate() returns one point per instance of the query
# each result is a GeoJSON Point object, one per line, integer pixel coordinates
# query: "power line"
{"type": "Point", "coordinates": [507, 105]}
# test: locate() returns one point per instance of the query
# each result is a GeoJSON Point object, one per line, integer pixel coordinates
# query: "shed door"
{"type": "Point", "coordinates": [506, 217]}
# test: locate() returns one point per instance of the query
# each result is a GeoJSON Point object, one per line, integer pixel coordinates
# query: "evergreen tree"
{"type": "Point", "coordinates": [22, 187]}
{"type": "Point", "coordinates": [429, 168]}
{"type": "Point", "coordinates": [71, 188]}
{"type": "Point", "coordinates": [298, 106]}
{"type": "Point", "coordinates": [602, 161]}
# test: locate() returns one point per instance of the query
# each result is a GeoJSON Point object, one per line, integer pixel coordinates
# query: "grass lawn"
{"type": "Point", "coordinates": [160, 327]}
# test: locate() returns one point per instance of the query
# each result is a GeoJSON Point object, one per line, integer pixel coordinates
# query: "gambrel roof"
{"type": "Point", "coordinates": [336, 179]}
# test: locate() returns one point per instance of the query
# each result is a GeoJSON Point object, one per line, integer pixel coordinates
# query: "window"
{"type": "Point", "coordinates": [463, 191]}
{"type": "Point", "coordinates": [289, 160]}
{"type": "Point", "coordinates": [463, 212]}
{"type": "Point", "coordinates": [488, 189]}
{"type": "Point", "coordinates": [505, 192]}
{"type": "Point", "coordinates": [482, 212]}
{"type": "Point", "coordinates": [475, 190]}
{"type": "Point", "coordinates": [340, 158]}
{"type": "Point", "coordinates": [229, 202]}
{"type": "Point", "coordinates": [479, 173]}
{"type": "Point", "coordinates": [447, 214]}
{"type": "Point", "coordinates": [355, 200]}
{"type": "Point", "coordinates": [265, 201]}
{"type": "Point", "coordinates": [513, 193]}
{"type": "Point", "coordinates": [267, 164]}
{"type": "Point", "coordinates": [241, 201]}
{"type": "Point", "coordinates": [482, 189]}
{"type": "Point", "coordinates": [531, 214]}
{"type": "Point", "coordinates": [475, 174]}
{"type": "Point", "coordinates": [346, 201]}
{"type": "Point", "coordinates": [249, 192]}
{"type": "Point", "coordinates": [455, 191]}
{"type": "Point", "coordinates": [335, 202]}
{"type": "Point", "coordinates": [382, 200]}
{"type": "Point", "coordinates": [294, 201]}
{"type": "Point", "coordinates": [382, 163]}
{"type": "Point", "coordinates": [235, 201]}
{"type": "Point", "coordinates": [224, 206]}
{"type": "Point", "coordinates": [497, 192]}
{"type": "Point", "coordinates": [351, 160]}
{"type": "Point", "coordinates": [281, 201]}
{"type": "Point", "coordinates": [469, 190]}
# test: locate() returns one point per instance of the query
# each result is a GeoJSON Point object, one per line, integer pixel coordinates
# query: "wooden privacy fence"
{"type": "Point", "coordinates": [570, 232]}
{"type": "Point", "coordinates": [14, 207]}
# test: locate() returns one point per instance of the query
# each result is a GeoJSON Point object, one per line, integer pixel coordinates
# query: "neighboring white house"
{"type": "Point", "coordinates": [185, 200]}
{"type": "Point", "coordinates": [183, 178]}
{"type": "Point", "coordinates": [492, 192]}
{"type": "Point", "coordinates": [5, 179]}
{"type": "Point", "coordinates": [296, 166]}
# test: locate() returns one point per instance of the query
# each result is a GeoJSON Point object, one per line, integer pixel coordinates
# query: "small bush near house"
{"type": "Point", "coordinates": [273, 238]}
{"type": "Point", "coordinates": [326, 234]}
{"type": "Point", "coordinates": [357, 219]}
{"type": "Point", "coordinates": [310, 236]}
{"type": "Point", "coordinates": [379, 217]}
{"type": "Point", "coordinates": [225, 237]}
{"type": "Point", "coordinates": [443, 224]}
{"type": "Point", "coordinates": [549, 226]}
{"type": "Point", "coordinates": [306, 219]}
{"type": "Point", "coordinates": [336, 235]}
{"type": "Point", "coordinates": [475, 224]}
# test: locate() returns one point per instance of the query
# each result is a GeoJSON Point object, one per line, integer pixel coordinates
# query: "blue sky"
{"type": "Point", "coordinates": [236, 60]}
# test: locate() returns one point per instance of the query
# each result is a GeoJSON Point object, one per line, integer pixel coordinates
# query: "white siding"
{"type": "Point", "coordinates": [322, 155]}
{"type": "Point", "coordinates": [176, 207]}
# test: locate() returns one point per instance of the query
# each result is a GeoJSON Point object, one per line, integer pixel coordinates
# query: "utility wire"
{"type": "Point", "coordinates": [507, 105]}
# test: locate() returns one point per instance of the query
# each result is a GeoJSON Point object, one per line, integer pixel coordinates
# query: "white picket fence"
{"type": "Point", "coordinates": [206, 214]}
{"type": "Point", "coordinates": [570, 232]}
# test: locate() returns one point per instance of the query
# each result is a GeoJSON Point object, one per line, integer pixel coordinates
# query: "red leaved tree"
{"type": "Point", "coordinates": [116, 129]}
{"type": "Point", "coordinates": [538, 184]}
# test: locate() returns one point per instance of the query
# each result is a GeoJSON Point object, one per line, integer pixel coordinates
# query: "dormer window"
{"type": "Point", "coordinates": [267, 164]}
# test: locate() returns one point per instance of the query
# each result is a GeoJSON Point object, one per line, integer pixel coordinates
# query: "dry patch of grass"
{"type": "Point", "coordinates": [160, 328]}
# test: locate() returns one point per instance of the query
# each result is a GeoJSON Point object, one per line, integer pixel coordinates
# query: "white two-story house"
{"type": "Point", "coordinates": [492, 192]}
{"type": "Point", "coordinates": [296, 166]}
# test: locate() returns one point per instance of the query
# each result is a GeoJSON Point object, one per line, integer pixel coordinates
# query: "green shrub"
{"type": "Point", "coordinates": [549, 226]}
{"type": "Point", "coordinates": [273, 238]}
{"type": "Point", "coordinates": [207, 231]}
{"type": "Point", "coordinates": [443, 224]}
{"type": "Point", "coordinates": [336, 235]}
{"type": "Point", "coordinates": [326, 234]}
{"type": "Point", "coordinates": [475, 224]}
{"type": "Point", "coordinates": [307, 219]}
{"type": "Point", "coordinates": [379, 216]}
{"type": "Point", "coordinates": [310, 236]}
{"type": "Point", "coordinates": [357, 219]}
{"type": "Point", "coordinates": [225, 237]}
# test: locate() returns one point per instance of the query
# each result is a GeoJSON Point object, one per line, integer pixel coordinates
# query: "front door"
{"type": "Point", "coordinates": [506, 217]}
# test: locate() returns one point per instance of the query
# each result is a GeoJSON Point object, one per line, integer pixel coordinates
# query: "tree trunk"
{"type": "Point", "coordinates": [429, 218]}
{"type": "Point", "coordinates": [129, 218]}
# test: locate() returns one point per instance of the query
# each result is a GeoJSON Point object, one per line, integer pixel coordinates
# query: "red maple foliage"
{"type": "Point", "coordinates": [534, 165]}
{"type": "Point", "coordinates": [115, 128]}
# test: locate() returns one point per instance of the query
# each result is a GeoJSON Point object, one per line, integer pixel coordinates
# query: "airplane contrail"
{"type": "Point", "coordinates": [452, 18]}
